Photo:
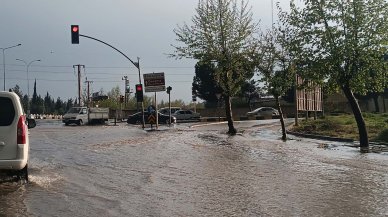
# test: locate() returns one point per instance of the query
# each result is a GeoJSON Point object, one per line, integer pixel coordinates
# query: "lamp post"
{"type": "Point", "coordinates": [28, 82]}
{"type": "Point", "coordinates": [4, 59]}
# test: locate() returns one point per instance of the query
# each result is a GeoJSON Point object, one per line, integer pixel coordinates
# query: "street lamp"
{"type": "Point", "coordinates": [4, 59]}
{"type": "Point", "coordinates": [28, 82]}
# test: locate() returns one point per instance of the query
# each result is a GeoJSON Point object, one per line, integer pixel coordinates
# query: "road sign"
{"type": "Point", "coordinates": [154, 82]}
{"type": "Point", "coordinates": [151, 119]}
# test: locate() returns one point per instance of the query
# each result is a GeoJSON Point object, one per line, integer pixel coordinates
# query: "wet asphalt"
{"type": "Point", "coordinates": [194, 169]}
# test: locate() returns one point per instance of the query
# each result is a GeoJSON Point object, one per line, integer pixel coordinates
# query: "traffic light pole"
{"type": "Point", "coordinates": [169, 108]}
{"type": "Point", "coordinates": [142, 102]}
{"type": "Point", "coordinates": [136, 64]}
{"type": "Point", "coordinates": [169, 88]}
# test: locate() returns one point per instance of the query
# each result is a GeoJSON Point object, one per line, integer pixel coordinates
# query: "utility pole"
{"type": "Point", "coordinates": [79, 81]}
{"type": "Point", "coordinates": [88, 91]}
{"type": "Point", "coordinates": [126, 89]}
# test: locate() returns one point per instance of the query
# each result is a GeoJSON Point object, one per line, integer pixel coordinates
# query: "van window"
{"type": "Point", "coordinates": [7, 111]}
{"type": "Point", "coordinates": [74, 110]}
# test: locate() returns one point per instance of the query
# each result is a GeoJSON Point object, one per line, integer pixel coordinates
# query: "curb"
{"type": "Point", "coordinates": [241, 118]}
{"type": "Point", "coordinates": [213, 119]}
{"type": "Point", "coordinates": [313, 136]}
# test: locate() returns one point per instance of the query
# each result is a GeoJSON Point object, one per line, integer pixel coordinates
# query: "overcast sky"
{"type": "Point", "coordinates": [139, 28]}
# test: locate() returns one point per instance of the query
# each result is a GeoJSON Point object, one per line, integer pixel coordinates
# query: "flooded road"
{"type": "Point", "coordinates": [194, 171]}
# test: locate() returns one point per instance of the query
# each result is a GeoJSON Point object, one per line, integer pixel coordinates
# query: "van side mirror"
{"type": "Point", "coordinates": [31, 123]}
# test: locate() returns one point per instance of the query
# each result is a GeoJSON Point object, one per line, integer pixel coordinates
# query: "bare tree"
{"type": "Point", "coordinates": [275, 65]}
{"type": "Point", "coordinates": [222, 33]}
{"type": "Point", "coordinates": [341, 41]}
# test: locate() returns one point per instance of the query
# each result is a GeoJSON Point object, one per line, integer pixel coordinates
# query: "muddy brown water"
{"type": "Point", "coordinates": [198, 171]}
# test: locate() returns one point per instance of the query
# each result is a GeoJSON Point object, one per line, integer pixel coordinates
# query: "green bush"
{"type": "Point", "coordinates": [383, 136]}
{"type": "Point", "coordinates": [349, 122]}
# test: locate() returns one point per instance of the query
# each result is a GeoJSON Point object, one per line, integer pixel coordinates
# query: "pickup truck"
{"type": "Point", "coordinates": [84, 115]}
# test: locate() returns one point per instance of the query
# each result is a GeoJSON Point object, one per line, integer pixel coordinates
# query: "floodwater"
{"type": "Point", "coordinates": [193, 171]}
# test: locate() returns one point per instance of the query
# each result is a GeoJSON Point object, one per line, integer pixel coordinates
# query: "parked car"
{"type": "Point", "coordinates": [186, 115]}
{"type": "Point", "coordinates": [263, 112]}
{"type": "Point", "coordinates": [138, 119]}
{"type": "Point", "coordinates": [165, 110]}
{"type": "Point", "coordinates": [14, 140]}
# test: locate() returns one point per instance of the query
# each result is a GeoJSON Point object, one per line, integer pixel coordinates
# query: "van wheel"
{"type": "Point", "coordinates": [23, 174]}
{"type": "Point", "coordinates": [79, 123]}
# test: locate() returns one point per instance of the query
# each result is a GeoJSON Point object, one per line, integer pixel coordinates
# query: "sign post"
{"type": "Point", "coordinates": [154, 82]}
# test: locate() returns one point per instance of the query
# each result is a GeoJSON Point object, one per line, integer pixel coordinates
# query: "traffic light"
{"type": "Point", "coordinates": [139, 92]}
{"type": "Point", "coordinates": [74, 34]}
{"type": "Point", "coordinates": [169, 88]}
{"type": "Point", "coordinates": [127, 90]}
{"type": "Point", "coordinates": [194, 94]}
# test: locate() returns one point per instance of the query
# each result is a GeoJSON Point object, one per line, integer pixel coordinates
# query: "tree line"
{"type": "Point", "coordinates": [48, 105]}
{"type": "Point", "coordinates": [113, 101]}
{"type": "Point", "coordinates": [43, 105]}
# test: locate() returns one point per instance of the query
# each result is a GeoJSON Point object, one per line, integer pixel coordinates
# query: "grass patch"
{"type": "Point", "coordinates": [344, 126]}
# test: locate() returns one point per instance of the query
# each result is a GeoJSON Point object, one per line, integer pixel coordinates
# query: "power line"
{"type": "Point", "coordinates": [93, 73]}
{"type": "Point", "coordinates": [96, 80]}
{"type": "Point", "coordinates": [43, 79]}
{"type": "Point", "coordinates": [108, 67]}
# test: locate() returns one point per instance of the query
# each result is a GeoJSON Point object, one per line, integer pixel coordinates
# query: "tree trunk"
{"type": "Point", "coordinates": [229, 116]}
{"type": "Point", "coordinates": [284, 134]}
{"type": "Point", "coordinates": [363, 134]}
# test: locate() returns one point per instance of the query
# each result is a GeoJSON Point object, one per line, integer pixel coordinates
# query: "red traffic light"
{"type": "Point", "coordinates": [75, 29]}
{"type": "Point", "coordinates": [74, 34]}
{"type": "Point", "coordinates": [139, 92]}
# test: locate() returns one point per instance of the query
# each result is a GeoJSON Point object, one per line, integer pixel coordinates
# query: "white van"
{"type": "Point", "coordinates": [14, 142]}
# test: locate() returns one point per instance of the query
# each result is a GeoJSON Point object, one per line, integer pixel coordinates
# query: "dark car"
{"type": "Point", "coordinates": [138, 119]}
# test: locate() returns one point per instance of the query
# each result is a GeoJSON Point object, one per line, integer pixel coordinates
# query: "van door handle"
{"type": "Point", "coordinates": [2, 143]}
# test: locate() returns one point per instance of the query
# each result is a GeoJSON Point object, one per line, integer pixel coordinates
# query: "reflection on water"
{"type": "Point", "coordinates": [124, 171]}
